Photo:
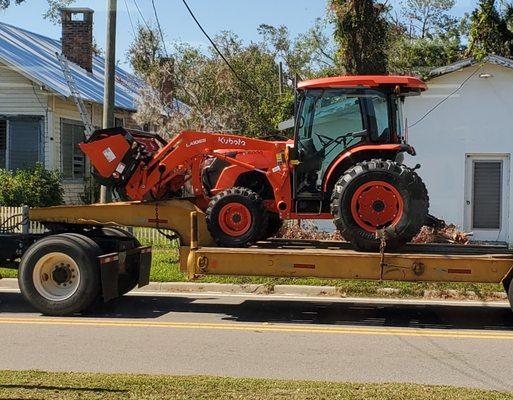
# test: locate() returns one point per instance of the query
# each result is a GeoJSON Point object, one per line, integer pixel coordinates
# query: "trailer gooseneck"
{"type": "Point", "coordinates": [85, 257]}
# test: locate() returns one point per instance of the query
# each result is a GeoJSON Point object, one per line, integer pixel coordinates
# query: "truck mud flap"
{"type": "Point", "coordinates": [111, 265]}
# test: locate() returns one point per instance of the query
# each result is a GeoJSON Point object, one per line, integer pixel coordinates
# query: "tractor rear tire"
{"type": "Point", "coordinates": [379, 194]}
{"type": "Point", "coordinates": [236, 217]}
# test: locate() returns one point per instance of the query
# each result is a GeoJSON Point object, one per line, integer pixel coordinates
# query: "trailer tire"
{"type": "Point", "coordinates": [236, 217]}
{"type": "Point", "coordinates": [379, 192]}
{"type": "Point", "coordinates": [59, 274]}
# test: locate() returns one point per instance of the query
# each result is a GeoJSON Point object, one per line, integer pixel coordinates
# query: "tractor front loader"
{"type": "Point", "coordinates": [344, 163]}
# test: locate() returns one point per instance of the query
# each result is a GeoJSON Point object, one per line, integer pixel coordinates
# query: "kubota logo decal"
{"type": "Point", "coordinates": [195, 142]}
{"type": "Point", "coordinates": [231, 141]}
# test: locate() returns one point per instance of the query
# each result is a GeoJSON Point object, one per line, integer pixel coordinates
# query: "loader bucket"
{"type": "Point", "coordinates": [116, 153]}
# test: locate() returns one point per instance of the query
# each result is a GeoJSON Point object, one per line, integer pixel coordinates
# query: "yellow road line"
{"type": "Point", "coordinates": [385, 331]}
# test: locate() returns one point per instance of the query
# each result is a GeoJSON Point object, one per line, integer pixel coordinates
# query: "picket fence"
{"type": "Point", "coordinates": [12, 220]}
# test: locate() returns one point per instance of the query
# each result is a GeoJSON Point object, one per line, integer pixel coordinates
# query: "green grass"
{"type": "Point", "coordinates": [165, 268]}
{"type": "Point", "coordinates": [69, 386]}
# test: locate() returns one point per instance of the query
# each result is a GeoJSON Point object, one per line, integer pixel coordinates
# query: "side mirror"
{"type": "Point", "coordinates": [360, 134]}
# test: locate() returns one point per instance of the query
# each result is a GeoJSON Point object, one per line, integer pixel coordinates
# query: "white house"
{"type": "Point", "coordinates": [39, 121]}
{"type": "Point", "coordinates": [464, 145]}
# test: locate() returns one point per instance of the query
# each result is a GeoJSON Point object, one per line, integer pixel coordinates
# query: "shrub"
{"type": "Point", "coordinates": [35, 187]}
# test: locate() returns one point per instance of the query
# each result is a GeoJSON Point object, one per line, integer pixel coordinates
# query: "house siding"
{"type": "Point", "coordinates": [476, 120]}
{"type": "Point", "coordinates": [18, 97]}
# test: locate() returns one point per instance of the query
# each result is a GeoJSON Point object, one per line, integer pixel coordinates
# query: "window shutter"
{"type": "Point", "coordinates": [24, 143]}
{"type": "Point", "coordinates": [487, 196]}
{"type": "Point", "coordinates": [3, 142]}
{"type": "Point", "coordinates": [73, 160]}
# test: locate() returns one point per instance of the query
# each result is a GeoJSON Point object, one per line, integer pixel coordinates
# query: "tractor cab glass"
{"type": "Point", "coordinates": [330, 121]}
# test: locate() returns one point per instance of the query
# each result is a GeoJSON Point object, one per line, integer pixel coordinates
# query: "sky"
{"type": "Point", "coordinates": [240, 16]}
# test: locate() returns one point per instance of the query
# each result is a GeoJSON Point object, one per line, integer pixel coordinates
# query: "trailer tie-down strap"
{"type": "Point", "coordinates": [382, 235]}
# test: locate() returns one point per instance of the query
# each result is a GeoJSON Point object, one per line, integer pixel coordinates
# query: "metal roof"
{"type": "Point", "coordinates": [34, 56]}
{"type": "Point", "coordinates": [364, 80]}
{"type": "Point", "coordinates": [458, 65]}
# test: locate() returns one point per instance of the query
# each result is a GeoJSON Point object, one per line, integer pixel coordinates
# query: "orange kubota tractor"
{"type": "Point", "coordinates": [344, 163]}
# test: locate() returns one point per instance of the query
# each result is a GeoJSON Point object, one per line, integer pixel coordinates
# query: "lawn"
{"type": "Point", "coordinates": [165, 268]}
{"type": "Point", "coordinates": [57, 386]}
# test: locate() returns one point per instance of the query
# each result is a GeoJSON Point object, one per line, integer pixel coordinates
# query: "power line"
{"type": "Point", "coordinates": [235, 73]}
{"type": "Point", "coordinates": [142, 15]}
{"type": "Point", "coordinates": [159, 27]}
{"type": "Point", "coordinates": [447, 97]}
{"type": "Point", "coordinates": [130, 18]}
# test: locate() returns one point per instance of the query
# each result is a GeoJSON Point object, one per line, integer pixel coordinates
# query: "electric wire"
{"type": "Point", "coordinates": [446, 97]}
{"type": "Point", "coordinates": [130, 18]}
{"type": "Point", "coordinates": [235, 73]}
{"type": "Point", "coordinates": [159, 27]}
{"type": "Point", "coordinates": [142, 15]}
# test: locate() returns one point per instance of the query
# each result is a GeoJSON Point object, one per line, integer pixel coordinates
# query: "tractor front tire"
{"type": "Point", "coordinates": [379, 195]}
{"type": "Point", "coordinates": [236, 217]}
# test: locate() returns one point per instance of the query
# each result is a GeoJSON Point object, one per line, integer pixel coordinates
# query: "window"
{"type": "Point", "coordinates": [3, 143]}
{"type": "Point", "coordinates": [119, 122]}
{"type": "Point", "coordinates": [73, 160]}
{"type": "Point", "coordinates": [24, 143]}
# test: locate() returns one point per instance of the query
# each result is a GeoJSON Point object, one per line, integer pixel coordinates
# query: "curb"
{"type": "Point", "coordinates": [283, 290]}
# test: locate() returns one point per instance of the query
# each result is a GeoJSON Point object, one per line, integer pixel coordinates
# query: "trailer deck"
{"type": "Point", "coordinates": [273, 258]}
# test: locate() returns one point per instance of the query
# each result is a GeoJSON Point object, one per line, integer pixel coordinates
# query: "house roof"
{"type": "Point", "coordinates": [35, 57]}
{"type": "Point", "coordinates": [408, 82]}
{"type": "Point", "coordinates": [458, 65]}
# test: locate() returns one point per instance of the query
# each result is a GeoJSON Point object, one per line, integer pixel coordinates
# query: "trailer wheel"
{"type": "Point", "coordinates": [236, 217]}
{"type": "Point", "coordinates": [59, 274]}
{"type": "Point", "coordinates": [379, 194]}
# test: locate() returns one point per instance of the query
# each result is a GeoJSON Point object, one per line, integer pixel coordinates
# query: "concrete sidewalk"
{"type": "Point", "coordinates": [277, 290]}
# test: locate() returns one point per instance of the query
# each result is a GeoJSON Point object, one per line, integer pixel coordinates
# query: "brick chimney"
{"type": "Point", "coordinates": [77, 36]}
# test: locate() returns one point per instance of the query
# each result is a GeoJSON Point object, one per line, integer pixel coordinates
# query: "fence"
{"type": "Point", "coordinates": [12, 219]}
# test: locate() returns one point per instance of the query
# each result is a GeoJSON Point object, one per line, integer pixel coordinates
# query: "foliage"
{"type": "Point", "coordinates": [362, 33]}
{"type": "Point", "coordinates": [35, 187]}
{"type": "Point", "coordinates": [217, 99]}
{"type": "Point", "coordinates": [419, 56]}
{"type": "Point", "coordinates": [428, 17]}
{"type": "Point", "coordinates": [427, 39]}
{"type": "Point", "coordinates": [53, 7]}
{"type": "Point", "coordinates": [490, 30]}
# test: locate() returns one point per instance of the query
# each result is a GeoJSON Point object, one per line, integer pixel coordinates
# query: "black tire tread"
{"type": "Point", "coordinates": [246, 195]}
{"type": "Point", "coordinates": [417, 192]}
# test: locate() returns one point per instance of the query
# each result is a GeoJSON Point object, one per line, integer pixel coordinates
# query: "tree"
{"type": "Point", "coordinates": [53, 7]}
{"type": "Point", "coordinates": [217, 99]}
{"type": "Point", "coordinates": [362, 33]}
{"type": "Point", "coordinates": [428, 17]}
{"type": "Point", "coordinates": [433, 41]}
{"type": "Point", "coordinates": [490, 31]}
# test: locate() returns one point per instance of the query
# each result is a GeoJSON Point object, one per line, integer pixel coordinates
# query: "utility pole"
{"type": "Point", "coordinates": [109, 93]}
{"type": "Point", "coordinates": [280, 77]}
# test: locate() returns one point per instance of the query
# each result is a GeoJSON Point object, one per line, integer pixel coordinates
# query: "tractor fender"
{"type": "Point", "coordinates": [361, 153]}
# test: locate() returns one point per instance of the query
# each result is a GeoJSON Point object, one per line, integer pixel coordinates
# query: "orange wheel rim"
{"type": "Point", "coordinates": [377, 204]}
{"type": "Point", "coordinates": [235, 219]}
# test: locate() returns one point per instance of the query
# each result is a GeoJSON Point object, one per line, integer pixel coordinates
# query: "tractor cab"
{"type": "Point", "coordinates": [341, 120]}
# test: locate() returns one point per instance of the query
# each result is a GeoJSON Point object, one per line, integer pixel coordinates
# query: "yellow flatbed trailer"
{"type": "Point", "coordinates": [80, 243]}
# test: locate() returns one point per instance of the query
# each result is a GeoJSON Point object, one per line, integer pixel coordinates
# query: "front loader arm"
{"type": "Point", "coordinates": [183, 157]}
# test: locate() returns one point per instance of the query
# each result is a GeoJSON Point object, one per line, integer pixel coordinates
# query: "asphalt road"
{"type": "Point", "coordinates": [244, 336]}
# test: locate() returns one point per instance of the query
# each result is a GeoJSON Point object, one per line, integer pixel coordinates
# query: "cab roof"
{"type": "Point", "coordinates": [407, 83]}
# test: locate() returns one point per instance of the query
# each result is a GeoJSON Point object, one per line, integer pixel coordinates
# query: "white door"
{"type": "Point", "coordinates": [486, 196]}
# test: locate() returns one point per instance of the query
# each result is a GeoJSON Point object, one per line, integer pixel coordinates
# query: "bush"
{"type": "Point", "coordinates": [35, 187]}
